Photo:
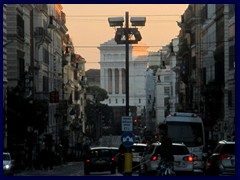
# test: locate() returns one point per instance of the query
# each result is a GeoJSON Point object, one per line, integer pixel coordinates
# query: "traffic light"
{"type": "Point", "coordinates": [135, 121]}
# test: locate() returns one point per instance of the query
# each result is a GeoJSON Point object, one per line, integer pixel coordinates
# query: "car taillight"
{"type": "Point", "coordinates": [88, 160]}
{"type": "Point", "coordinates": [154, 158]}
{"type": "Point", "coordinates": [190, 159]}
{"type": "Point", "coordinates": [113, 159]}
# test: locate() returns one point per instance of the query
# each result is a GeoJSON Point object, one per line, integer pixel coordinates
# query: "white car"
{"type": "Point", "coordinates": [183, 160]}
{"type": "Point", "coordinates": [8, 164]}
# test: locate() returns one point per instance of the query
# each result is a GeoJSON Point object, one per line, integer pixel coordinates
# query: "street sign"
{"type": "Point", "coordinates": [127, 123]}
{"type": "Point", "coordinates": [128, 139]}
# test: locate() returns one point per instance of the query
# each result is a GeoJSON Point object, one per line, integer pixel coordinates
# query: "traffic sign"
{"type": "Point", "coordinates": [127, 123]}
{"type": "Point", "coordinates": [128, 139]}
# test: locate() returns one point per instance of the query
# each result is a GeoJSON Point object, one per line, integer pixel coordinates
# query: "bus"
{"type": "Point", "coordinates": [188, 128]}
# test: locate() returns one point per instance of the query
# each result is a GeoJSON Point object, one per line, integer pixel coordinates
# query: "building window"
{"type": "Point", "coordinates": [45, 56]}
{"type": "Point", "coordinates": [229, 98]}
{"type": "Point", "coordinates": [231, 10]}
{"type": "Point", "coordinates": [166, 91]}
{"type": "Point", "coordinates": [109, 101]}
{"type": "Point", "coordinates": [116, 101]}
{"type": "Point", "coordinates": [231, 57]}
{"type": "Point", "coordinates": [45, 84]}
{"type": "Point", "coordinates": [116, 81]}
{"type": "Point", "coordinates": [110, 81]}
{"type": "Point", "coordinates": [166, 78]}
{"type": "Point", "coordinates": [20, 26]}
{"type": "Point", "coordinates": [139, 101]}
{"type": "Point", "coordinates": [123, 101]}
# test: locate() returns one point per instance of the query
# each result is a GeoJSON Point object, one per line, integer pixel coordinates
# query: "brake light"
{"type": "Point", "coordinates": [209, 164]}
{"type": "Point", "coordinates": [154, 158]}
{"type": "Point", "coordinates": [190, 159]}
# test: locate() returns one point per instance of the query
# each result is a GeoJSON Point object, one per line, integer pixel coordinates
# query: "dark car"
{"type": "Point", "coordinates": [222, 159]}
{"type": "Point", "coordinates": [8, 164]}
{"type": "Point", "coordinates": [99, 159]}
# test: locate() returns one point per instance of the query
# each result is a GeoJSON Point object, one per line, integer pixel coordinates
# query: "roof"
{"type": "Point", "coordinates": [139, 144]}
{"type": "Point", "coordinates": [95, 148]}
{"type": "Point", "coordinates": [226, 142]}
{"type": "Point", "coordinates": [174, 144]}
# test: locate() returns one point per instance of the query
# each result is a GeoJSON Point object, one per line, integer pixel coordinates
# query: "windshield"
{"type": "Point", "coordinates": [189, 133]}
{"type": "Point", "coordinates": [6, 157]}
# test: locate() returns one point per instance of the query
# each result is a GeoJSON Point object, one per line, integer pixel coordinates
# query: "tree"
{"type": "Point", "coordinates": [98, 93]}
{"type": "Point", "coordinates": [94, 110]}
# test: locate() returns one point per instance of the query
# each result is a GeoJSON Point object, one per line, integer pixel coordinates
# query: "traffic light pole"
{"type": "Point", "coordinates": [127, 62]}
{"type": "Point", "coordinates": [127, 154]}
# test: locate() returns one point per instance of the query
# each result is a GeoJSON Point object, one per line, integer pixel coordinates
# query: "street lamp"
{"type": "Point", "coordinates": [124, 35]}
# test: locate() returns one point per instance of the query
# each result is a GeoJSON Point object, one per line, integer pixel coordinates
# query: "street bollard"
{"type": "Point", "coordinates": [127, 164]}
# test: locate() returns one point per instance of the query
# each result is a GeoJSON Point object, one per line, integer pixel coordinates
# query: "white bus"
{"type": "Point", "coordinates": [188, 128]}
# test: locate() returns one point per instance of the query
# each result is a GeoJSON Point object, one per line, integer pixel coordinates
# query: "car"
{"type": "Point", "coordinates": [100, 159]}
{"type": "Point", "coordinates": [222, 160]}
{"type": "Point", "coordinates": [8, 164]}
{"type": "Point", "coordinates": [137, 150]}
{"type": "Point", "coordinates": [183, 160]}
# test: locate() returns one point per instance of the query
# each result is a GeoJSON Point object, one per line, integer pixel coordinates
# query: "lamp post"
{"type": "Point", "coordinates": [124, 36]}
{"type": "Point", "coordinates": [127, 35]}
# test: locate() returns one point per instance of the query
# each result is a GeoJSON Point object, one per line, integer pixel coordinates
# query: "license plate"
{"type": "Point", "coordinates": [178, 163]}
{"type": "Point", "coordinates": [100, 162]}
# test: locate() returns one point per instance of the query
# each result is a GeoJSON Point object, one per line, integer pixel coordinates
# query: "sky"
{"type": "Point", "coordinates": [88, 25]}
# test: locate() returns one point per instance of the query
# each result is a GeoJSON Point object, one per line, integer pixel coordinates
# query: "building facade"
{"type": "Point", "coordinates": [113, 77]}
{"type": "Point", "coordinates": [45, 80]}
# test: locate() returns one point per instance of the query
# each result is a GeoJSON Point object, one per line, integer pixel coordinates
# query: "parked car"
{"type": "Point", "coordinates": [99, 159]}
{"type": "Point", "coordinates": [8, 164]}
{"type": "Point", "coordinates": [222, 159]}
{"type": "Point", "coordinates": [183, 160]}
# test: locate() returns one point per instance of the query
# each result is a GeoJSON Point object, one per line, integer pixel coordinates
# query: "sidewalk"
{"type": "Point", "coordinates": [53, 172]}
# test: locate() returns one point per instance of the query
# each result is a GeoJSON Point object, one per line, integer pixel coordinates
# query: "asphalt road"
{"type": "Point", "coordinates": [68, 169]}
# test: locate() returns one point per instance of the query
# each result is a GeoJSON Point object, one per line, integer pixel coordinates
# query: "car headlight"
{"type": "Point", "coordinates": [7, 166]}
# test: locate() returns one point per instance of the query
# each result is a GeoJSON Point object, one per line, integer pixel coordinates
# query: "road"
{"type": "Point", "coordinates": [68, 169]}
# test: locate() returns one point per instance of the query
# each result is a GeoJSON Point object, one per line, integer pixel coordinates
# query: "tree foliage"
{"type": "Point", "coordinates": [98, 93]}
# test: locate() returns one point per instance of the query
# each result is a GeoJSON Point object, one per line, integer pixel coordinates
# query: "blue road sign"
{"type": "Point", "coordinates": [128, 139]}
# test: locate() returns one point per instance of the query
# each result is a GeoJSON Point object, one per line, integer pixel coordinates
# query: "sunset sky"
{"type": "Point", "coordinates": [88, 25]}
